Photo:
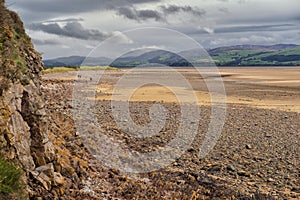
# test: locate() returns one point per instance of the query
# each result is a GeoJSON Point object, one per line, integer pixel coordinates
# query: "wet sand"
{"type": "Point", "coordinates": [274, 88]}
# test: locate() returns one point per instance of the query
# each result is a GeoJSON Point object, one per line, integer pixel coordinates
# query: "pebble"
{"type": "Point", "coordinates": [231, 168]}
{"type": "Point", "coordinates": [243, 173]}
{"type": "Point", "coordinates": [180, 182]}
{"type": "Point", "coordinates": [270, 180]}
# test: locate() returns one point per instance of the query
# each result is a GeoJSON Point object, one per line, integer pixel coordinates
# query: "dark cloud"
{"type": "Point", "coordinates": [271, 27]}
{"type": "Point", "coordinates": [242, 1]}
{"type": "Point", "coordinates": [9, 4]}
{"type": "Point", "coordinates": [142, 15]}
{"type": "Point", "coordinates": [37, 10]}
{"type": "Point", "coordinates": [246, 18]}
{"type": "Point", "coordinates": [71, 29]}
{"type": "Point", "coordinates": [224, 10]}
{"type": "Point", "coordinates": [65, 20]}
{"type": "Point", "coordinates": [139, 15]}
{"type": "Point", "coordinates": [234, 1]}
{"type": "Point", "coordinates": [242, 30]}
{"type": "Point", "coordinates": [174, 9]}
{"type": "Point", "coordinates": [45, 42]}
{"type": "Point", "coordinates": [146, 14]}
{"type": "Point", "coordinates": [75, 6]}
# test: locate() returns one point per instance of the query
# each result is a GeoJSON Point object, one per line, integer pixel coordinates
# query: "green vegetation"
{"type": "Point", "coordinates": [165, 57]}
{"type": "Point", "coordinates": [288, 57]}
{"type": "Point", "coordinates": [13, 67]}
{"type": "Point", "coordinates": [59, 70]}
{"type": "Point", "coordinates": [97, 68]}
{"type": "Point", "coordinates": [11, 183]}
{"type": "Point", "coordinates": [69, 69]}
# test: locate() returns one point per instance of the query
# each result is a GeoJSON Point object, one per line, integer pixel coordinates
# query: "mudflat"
{"type": "Point", "coordinates": [256, 156]}
{"type": "Point", "coordinates": [260, 87]}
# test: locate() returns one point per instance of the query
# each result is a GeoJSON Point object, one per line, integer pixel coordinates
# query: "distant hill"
{"type": "Point", "coordinates": [257, 55]}
{"type": "Point", "coordinates": [262, 48]}
{"type": "Point", "coordinates": [240, 55]}
{"type": "Point", "coordinates": [157, 56]}
{"type": "Point", "coordinates": [77, 61]}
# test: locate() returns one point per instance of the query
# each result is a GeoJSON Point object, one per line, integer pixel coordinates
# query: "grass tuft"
{"type": "Point", "coordinates": [68, 69]}
{"type": "Point", "coordinates": [11, 183]}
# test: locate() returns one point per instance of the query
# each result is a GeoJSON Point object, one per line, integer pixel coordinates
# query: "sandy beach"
{"type": "Point", "coordinates": [273, 88]}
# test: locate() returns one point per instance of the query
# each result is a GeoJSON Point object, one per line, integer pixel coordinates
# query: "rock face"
{"type": "Point", "coordinates": [24, 138]}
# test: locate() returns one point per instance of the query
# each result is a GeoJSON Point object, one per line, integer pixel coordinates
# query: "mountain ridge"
{"type": "Point", "coordinates": [237, 55]}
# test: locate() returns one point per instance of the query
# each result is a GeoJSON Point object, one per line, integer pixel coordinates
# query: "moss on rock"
{"type": "Point", "coordinates": [19, 62]}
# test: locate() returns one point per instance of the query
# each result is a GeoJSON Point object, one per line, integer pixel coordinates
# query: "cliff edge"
{"type": "Point", "coordinates": [24, 133]}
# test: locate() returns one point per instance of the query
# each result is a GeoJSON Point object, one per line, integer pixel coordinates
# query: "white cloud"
{"type": "Point", "coordinates": [149, 47]}
{"type": "Point", "coordinates": [208, 30]}
{"type": "Point", "coordinates": [253, 39]}
{"type": "Point", "coordinates": [121, 38]}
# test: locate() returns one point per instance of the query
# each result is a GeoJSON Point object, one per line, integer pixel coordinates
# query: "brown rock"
{"type": "Point", "coordinates": [230, 168]}
{"type": "Point", "coordinates": [46, 169]}
{"type": "Point", "coordinates": [58, 179]}
{"type": "Point", "coordinates": [243, 173]}
{"type": "Point", "coordinates": [270, 180]}
{"type": "Point", "coordinates": [43, 179]}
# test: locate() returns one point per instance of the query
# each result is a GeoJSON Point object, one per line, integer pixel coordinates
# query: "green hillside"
{"type": "Point", "coordinates": [240, 55]}
{"type": "Point", "coordinates": [290, 57]}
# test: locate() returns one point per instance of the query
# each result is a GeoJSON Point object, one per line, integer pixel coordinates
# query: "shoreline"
{"type": "Point", "coordinates": [255, 156]}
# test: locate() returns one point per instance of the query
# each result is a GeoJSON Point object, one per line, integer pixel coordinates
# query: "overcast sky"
{"type": "Point", "coordinates": [75, 27]}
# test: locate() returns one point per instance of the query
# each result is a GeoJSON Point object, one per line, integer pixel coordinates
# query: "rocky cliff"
{"type": "Point", "coordinates": [25, 137]}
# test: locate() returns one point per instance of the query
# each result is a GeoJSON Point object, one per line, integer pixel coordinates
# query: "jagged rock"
{"type": "Point", "coordinates": [58, 179]}
{"type": "Point", "coordinates": [44, 175]}
{"type": "Point", "coordinates": [24, 135]}
{"type": "Point", "coordinates": [46, 169]}
{"type": "Point", "coordinates": [231, 168]}
{"type": "Point", "coordinates": [45, 180]}
{"type": "Point", "coordinates": [17, 130]}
